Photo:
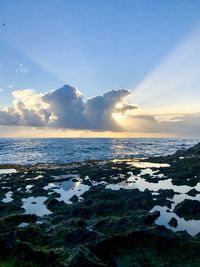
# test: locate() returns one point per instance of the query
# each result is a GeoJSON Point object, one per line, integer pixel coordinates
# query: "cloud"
{"type": "Point", "coordinates": [2, 89]}
{"type": "Point", "coordinates": [125, 107]}
{"type": "Point", "coordinates": [22, 69]}
{"type": "Point", "coordinates": [99, 110]}
{"type": "Point", "coordinates": [65, 108]}
{"type": "Point", "coordinates": [10, 86]}
{"type": "Point", "coordinates": [178, 124]}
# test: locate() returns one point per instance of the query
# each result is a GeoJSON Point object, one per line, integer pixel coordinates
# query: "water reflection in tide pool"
{"type": "Point", "coordinates": [8, 197]}
{"type": "Point", "coordinates": [22, 225]}
{"type": "Point", "coordinates": [143, 164]}
{"type": "Point", "coordinates": [67, 189]}
{"type": "Point", "coordinates": [137, 182]}
{"type": "Point", "coordinates": [35, 205]}
{"type": "Point", "coordinates": [192, 227]}
{"type": "Point", "coordinates": [7, 171]}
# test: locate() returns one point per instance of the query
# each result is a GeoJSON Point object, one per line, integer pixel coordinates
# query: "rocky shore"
{"type": "Point", "coordinates": [102, 213]}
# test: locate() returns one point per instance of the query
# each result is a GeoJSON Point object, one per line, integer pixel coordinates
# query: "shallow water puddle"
{"type": "Point", "coordinates": [141, 165]}
{"type": "Point", "coordinates": [67, 189]}
{"type": "Point", "coordinates": [192, 227]}
{"type": "Point", "coordinates": [22, 225]}
{"type": "Point", "coordinates": [35, 178]}
{"type": "Point", "coordinates": [8, 197]}
{"type": "Point", "coordinates": [166, 214]}
{"type": "Point", "coordinates": [50, 186]}
{"type": "Point", "coordinates": [148, 171]}
{"type": "Point", "coordinates": [7, 171]}
{"type": "Point", "coordinates": [35, 205]}
{"type": "Point", "coordinates": [152, 173]}
{"type": "Point", "coordinates": [137, 182]}
{"type": "Point", "coordinates": [28, 187]}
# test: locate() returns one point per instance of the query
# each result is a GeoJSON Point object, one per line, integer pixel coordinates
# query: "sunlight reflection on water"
{"type": "Point", "coordinates": [31, 151]}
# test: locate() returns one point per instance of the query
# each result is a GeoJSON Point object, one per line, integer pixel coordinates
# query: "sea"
{"type": "Point", "coordinates": [65, 150]}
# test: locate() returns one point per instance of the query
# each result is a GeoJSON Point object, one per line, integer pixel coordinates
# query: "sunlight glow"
{"type": "Point", "coordinates": [174, 84]}
{"type": "Point", "coordinates": [31, 132]}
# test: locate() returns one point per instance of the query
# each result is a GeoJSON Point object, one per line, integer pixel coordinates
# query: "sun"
{"type": "Point", "coordinates": [118, 116]}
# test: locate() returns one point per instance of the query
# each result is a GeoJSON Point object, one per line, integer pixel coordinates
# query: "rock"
{"type": "Point", "coordinates": [80, 236]}
{"type": "Point", "coordinates": [78, 222]}
{"type": "Point", "coordinates": [192, 192]}
{"type": "Point", "coordinates": [188, 209]}
{"type": "Point", "coordinates": [150, 218]}
{"type": "Point", "coordinates": [75, 180]}
{"type": "Point", "coordinates": [84, 258]}
{"type": "Point", "coordinates": [56, 206]}
{"type": "Point", "coordinates": [169, 205]}
{"type": "Point", "coordinates": [173, 222]}
{"type": "Point", "coordinates": [74, 199]}
{"type": "Point", "coordinates": [147, 248]}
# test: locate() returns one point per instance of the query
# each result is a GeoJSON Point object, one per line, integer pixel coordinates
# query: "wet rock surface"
{"type": "Point", "coordinates": [193, 192]}
{"type": "Point", "coordinates": [102, 213]}
{"type": "Point", "coordinates": [173, 222]}
{"type": "Point", "coordinates": [189, 209]}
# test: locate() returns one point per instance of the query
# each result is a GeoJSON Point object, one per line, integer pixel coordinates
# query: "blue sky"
{"type": "Point", "coordinates": [94, 45]}
{"type": "Point", "coordinates": [151, 47]}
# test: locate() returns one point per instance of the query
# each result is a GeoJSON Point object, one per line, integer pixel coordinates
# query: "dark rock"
{"type": "Point", "coordinates": [80, 236]}
{"type": "Point", "coordinates": [32, 234]}
{"type": "Point", "coordinates": [188, 209]}
{"type": "Point", "coordinates": [169, 205]}
{"type": "Point", "coordinates": [15, 219]}
{"type": "Point", "coordinates": [192, 192]}
{"type": "Point", "coordinates": [74, 199]}
{"type": "Point", "coordinates": [75, 180]}
{"type": "Point", "coordinates": [56, 206]}
{"type": "Point", "coordinates": [173, 222]}
{"type": "Point", "coordinates": [85, 258]}
{"type": "Point", "coordinates": [79, 222]}
{"type": "Point", "coordinates": [151, 217]}
{"type": "Point", "coordinates": [147, 248]}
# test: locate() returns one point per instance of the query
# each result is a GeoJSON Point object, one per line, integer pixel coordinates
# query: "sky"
{"type": "Point", "coordinates": [148, 52]}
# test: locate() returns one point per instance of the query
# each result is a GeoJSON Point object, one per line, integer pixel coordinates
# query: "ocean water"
{"type": "Point", "coordinates": [32, 151]}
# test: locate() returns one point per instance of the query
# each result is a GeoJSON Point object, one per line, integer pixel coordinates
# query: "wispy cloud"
{"type": "Point", "coordinates": [22, 69]}
{"type": "Point", "coordinates": [10, 86]}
